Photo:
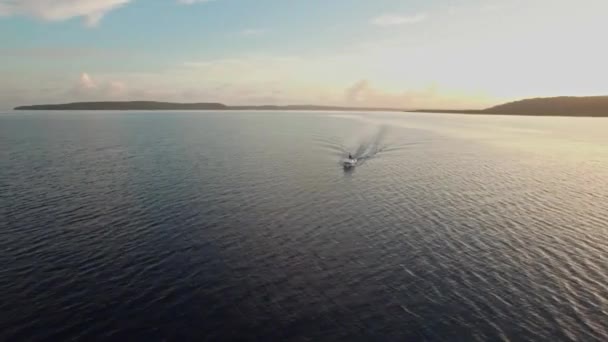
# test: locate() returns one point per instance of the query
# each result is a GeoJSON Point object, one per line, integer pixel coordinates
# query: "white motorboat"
{"type": "Point", "coordinates": [349, 163]}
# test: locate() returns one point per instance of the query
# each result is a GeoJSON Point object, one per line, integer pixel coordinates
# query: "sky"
{"type": "Point", "coordinates": [390, 53]}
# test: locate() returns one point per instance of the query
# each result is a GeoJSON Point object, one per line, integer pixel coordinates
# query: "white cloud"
{"type": "Point", "coordinates": [58, 10]}
{"type": "Point", "coordinates": [86, 82]}
{"type": "Point", "coordinates": [354, 92]}
{"type": "Point", "coordinates": [88, 88]}
{"type": "Point", "coordinates": [363, 93]}
{"type": "Point", "coordinates": [396, 19]}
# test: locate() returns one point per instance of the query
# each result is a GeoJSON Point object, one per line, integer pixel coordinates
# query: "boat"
{"type": "Point", "coordinates": [349, 163]}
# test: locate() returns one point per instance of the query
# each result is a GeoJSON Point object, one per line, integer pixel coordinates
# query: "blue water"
{"type": "Point", "coordinates": [244, 226]}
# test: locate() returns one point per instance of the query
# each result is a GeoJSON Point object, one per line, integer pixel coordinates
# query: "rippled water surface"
{"type": "Point", "coordinates": [217, 226]}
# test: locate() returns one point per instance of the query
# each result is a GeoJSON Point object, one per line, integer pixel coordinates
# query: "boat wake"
{"type": "Point", "coordinates": [361, 148]}
{"type": "Point", "coordinates": [369, 147]}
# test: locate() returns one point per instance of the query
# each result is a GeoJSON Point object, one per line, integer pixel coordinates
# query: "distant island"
{"type": "Point", "coordinates": [154, 105]}
{"type": "Point", "coordinates": [591, 106]}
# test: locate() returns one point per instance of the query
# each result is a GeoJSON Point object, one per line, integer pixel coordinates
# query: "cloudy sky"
{"type": "Point", "coordinates": [397, 53]}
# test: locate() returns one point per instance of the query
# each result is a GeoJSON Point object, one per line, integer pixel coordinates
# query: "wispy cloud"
{"type": "Point", "coordinates": [62, 53]}
{"type": "Point", "coordinates": [190, 2]}
{"type": "Point", "coordinates": [363, 93]}
{"type": "Point", "coordinates": [86, 82]}
{"type": "Point", "coordinates": [92, 11]}
{"type": "Point", "coordinates": [396, 19]}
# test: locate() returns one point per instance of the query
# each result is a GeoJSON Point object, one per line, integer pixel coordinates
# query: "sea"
{"type": "Point", "coordinates": [244, 226]}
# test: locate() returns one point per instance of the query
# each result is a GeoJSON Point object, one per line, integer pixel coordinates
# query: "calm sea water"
{"type": "Point", "coordinates": [243, 226]}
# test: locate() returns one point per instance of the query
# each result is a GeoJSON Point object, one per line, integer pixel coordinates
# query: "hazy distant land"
{"type": "Point", "coordinates": [153, 105]}
{"type": "Point", "coordinates": [596, 106]}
